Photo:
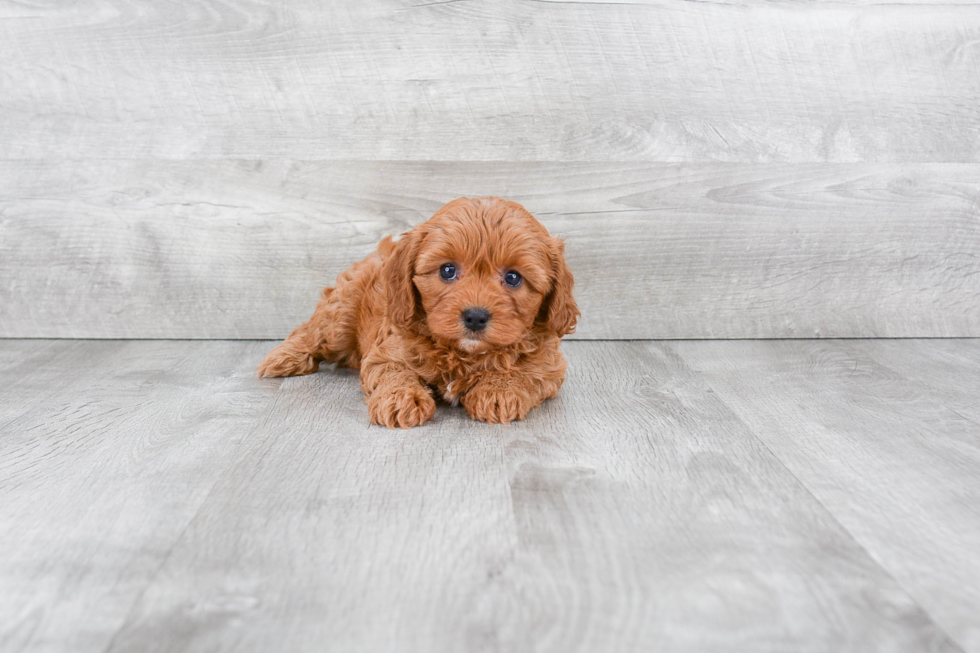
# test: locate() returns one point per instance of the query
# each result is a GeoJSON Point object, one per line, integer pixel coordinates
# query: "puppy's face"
{"type": "Point", "coordinates": [481, 274]}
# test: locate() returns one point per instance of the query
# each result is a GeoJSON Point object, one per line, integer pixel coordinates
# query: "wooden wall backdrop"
{"type": "Point", "coordinates": [200, 169]}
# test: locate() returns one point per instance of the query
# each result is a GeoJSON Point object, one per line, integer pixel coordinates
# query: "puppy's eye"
{"type": "Point", "coordinates": [447, 272]}
{"type": "Point", "coordinates": [513, 279]}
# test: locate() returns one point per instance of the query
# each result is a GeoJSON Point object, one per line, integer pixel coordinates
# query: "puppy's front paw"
{"type": "Point", "coordinates": [496, 405]}
{"type": "Point", "coordinates": [401, 406]}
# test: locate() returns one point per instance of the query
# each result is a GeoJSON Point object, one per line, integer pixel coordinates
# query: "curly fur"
{"type": "Point", "coordinates": [395, 319]}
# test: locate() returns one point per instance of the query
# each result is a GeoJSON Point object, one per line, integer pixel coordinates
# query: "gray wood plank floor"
{"type": "Point", "coordinates": [683, 496]}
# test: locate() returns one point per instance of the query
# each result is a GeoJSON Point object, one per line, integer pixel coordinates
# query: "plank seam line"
{"type": "Point", "coordinates": [613, 340]}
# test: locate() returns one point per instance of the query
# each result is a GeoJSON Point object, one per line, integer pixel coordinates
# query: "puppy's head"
{"type": "Point", "coordinates": [480, 274]}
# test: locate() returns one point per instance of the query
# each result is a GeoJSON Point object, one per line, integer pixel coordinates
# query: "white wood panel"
{"type": "Point", "coordinates": [164, 501]}
{"type": "Point", "coordinates": [491, 80]}
{"type": "Point", "coordinates": [894, 455]}
{"type": "Point", "coordinates": [240, 249]}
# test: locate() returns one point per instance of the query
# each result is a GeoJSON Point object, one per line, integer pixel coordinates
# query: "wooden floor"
{"type": "Point", "coordinates": [742, 496]}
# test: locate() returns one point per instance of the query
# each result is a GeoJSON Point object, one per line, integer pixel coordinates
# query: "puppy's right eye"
{"type": "Point", "coordinates": [447, 272]}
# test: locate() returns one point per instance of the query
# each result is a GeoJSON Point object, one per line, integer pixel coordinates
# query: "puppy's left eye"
{"type": "Point", "coordinates": [513, 279]}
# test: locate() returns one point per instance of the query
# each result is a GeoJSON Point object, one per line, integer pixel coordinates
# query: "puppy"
{"type": "Point", "coordinates": [469, 306]}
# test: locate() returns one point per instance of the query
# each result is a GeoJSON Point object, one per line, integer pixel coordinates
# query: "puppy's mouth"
{"type": "Point", "coordinates": [472, 345]}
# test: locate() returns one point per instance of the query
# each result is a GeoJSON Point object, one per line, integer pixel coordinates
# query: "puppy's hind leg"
{"type": "Point", "coordinates": [291, 358]}
{"type": "Point", "coordinates": [303, 350]}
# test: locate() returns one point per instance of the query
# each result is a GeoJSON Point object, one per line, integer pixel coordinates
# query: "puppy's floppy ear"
{"type": "Point", "coordinates": [559, 312]}
{"type": "Point", "coordinates": [404, 302]}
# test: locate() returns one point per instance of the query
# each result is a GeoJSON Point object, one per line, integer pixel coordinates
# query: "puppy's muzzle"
{"type": "Point", "coordinates": [476, 319]}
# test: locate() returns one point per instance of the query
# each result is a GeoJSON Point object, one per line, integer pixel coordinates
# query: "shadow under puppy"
{"type": "Point", "coordinates": [471, 304]}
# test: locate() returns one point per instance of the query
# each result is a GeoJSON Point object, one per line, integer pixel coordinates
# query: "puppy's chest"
{"type": "Point", "coordinates": [453, 377]}
{"type": "Point", "coordinates": [453, 383]}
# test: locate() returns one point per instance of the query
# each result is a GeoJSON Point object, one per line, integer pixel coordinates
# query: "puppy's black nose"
{"type": "Point", "coordinates": [476, 319]}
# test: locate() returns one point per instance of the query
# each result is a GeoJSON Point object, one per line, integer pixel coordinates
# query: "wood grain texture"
{"type": "Point", "coordinates": [511, 80]}
{"type": "Point", "coordinates": [948, 368]}
{"type": "Point", "coordinates": [240, 249]}
{"type": "Point", "coordinates": [886, 435]}
{"type": "Point", "coordinates": [107, 450]}
{"type": "Point", "coordinates": [636, 512]}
